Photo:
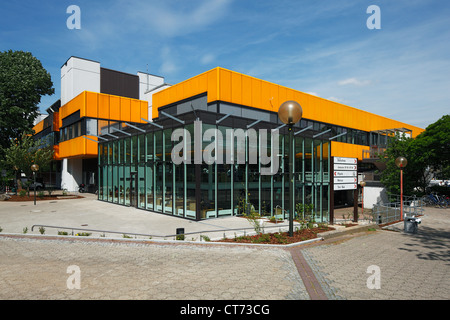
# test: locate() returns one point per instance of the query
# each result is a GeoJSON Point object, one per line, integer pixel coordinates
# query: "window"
{"type": "Point", "coordinates": [91, 127]}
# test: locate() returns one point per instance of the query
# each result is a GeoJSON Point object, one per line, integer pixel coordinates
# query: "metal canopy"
{"type": "Point", "coordinates": [134, 127]}
{"type": "Point", "coordinates": [109, 134]}
{"type": "Point", "coordinates": [121, 131]}
{"type": "Point", "coordinates": [392, 131]}
{"type": "Point", "coordinates": [155, 124]}
{"type": "Point", "coordinates": [319, 134]}
{"type": "Point", "coordinates": [221, 119]}
{"type": "Point", "coordinates": [303, 130]}
{"type": "Point", "coordinates": [90, 139]}
{"type": "Point", "coordinates": [252, 124]}
{"type": "Point", "coordinates": [171, 117]}
{"type": "Point", "coordinates": [339, 135]}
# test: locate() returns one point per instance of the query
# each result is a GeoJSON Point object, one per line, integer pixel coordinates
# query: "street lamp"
{"type": "Point", "coordinates": [15, 178]}
{"type": "Point", "coordinates": [34, 168]}
{"type": "Point", "coordinates": [401, 162]}
{"type": "Point", "coordinates": [290, 112]}
{"type": "Point", "coordinates": [362, 184]}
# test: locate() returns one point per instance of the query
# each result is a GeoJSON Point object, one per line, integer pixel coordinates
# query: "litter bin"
{"type": "Point", "coordinates": [411, 224]}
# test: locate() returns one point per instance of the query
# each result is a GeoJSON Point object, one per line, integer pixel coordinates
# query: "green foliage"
{"type": "Point", "coordinates": [255, 220]}
{"type": "Point", "coordinates": [83, 234]}
{"type": "Point", "coordinates": [434, 143]}
{"type": "Point", "coordinates": [24, 152]}
{"type": "Point", "coordinates": [23, 81]}
{"type": "Point", "coordinates": [427, 154]}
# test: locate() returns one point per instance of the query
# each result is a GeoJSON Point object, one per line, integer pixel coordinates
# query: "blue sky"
{"type": "Point", "coordinates": [322, 47]}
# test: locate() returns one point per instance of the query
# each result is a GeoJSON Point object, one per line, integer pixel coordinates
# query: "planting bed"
{"type": "Point", "coordinates": [45, 197]}
{"type": "Point", "coordinates": [280, 238]}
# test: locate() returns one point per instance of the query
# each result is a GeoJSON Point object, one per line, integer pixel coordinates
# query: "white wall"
{"type": "Point", "coordinates": [78, 75]}
{"type": "Point", "coordinates": [148, 85]}
{"type": "Point", "coordinates": [149, 97]}
{"type": "Point", "coordinates": [71, 174]}
{"type": "Point", "coordinates": [148, 82]}
{"type": "Point", "coordinates": [374, 195]}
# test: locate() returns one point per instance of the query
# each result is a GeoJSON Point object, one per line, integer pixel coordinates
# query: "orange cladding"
{"type": "Point", "coordinates": [229, 86]}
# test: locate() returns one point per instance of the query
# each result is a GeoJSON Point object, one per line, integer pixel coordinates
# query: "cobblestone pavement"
{"type": "Point", "coordinates": [411, 266]}
{"type": "Point", "coordinates": [37, 269]}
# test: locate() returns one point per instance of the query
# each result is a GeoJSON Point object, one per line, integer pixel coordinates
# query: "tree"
{"type": "Point", "coordinates": [427, 154]}
{"type": "Point", "coordinates": [25, 152]}
{"type": "Point", "coordinates": [23, 81]}
{"type": "Point", "coordinates": [415, 175]}
{"type": "Point", "coordinates": [434, 143]}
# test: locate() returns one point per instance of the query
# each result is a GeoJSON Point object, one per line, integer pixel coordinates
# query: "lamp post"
{"type": "Point", "coordinates": [34, 168]}
{"type": "Point", "coordinates": [401, 162]}
{"type": "Point", "coordinates": [362, 184]}
{"type": "Point", "coordinates": [290, 112]}
{"type": "Point", "coordinates": [15, 178]}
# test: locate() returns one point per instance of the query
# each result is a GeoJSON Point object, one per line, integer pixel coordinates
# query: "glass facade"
{"type": "Point", "coordinates": [139, 171]}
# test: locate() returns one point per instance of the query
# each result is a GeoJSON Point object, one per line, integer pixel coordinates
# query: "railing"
{"type": "Point", "coordinates": [279, 225]}
{"type": "Point", "coordinates": [391, 212]}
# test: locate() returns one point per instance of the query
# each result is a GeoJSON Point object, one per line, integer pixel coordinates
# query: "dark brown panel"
{"type": "Point", "coordinates": [119, 83]}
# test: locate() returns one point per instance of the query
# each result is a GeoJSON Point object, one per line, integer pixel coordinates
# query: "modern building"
{"type": "Point", "coordinates": [119, 132]}
{"type": "Point", "coordinates": [93, 99]}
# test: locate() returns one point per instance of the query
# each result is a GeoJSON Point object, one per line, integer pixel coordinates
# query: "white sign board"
{"type": "Point", "coordinates": [345, 186]}
{"type": "Point", "coordinates": [352, 167]}
{"type": "Point", "coordinates": [346, 180]}
{"type": "Point", "coordinates": [345, 160]}
{"type": "Point", "coordinates": [345, 173]}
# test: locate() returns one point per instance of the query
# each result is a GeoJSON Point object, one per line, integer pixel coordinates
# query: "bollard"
{"type": "Point", "coordinates": [180, 234]}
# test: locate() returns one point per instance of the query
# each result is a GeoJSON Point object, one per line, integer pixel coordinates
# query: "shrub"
{"type": "Point", "coordinates": [22, 193]}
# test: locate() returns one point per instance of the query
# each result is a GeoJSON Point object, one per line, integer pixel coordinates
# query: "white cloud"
{"type": "Point", "coordinates": [174, 18]}
{"type": "Point", "coordinates": [354, 81]}
{"type": "Point", "coordinates": [207, 58]}
{"type": "Point", "coordinates": [168, 65]}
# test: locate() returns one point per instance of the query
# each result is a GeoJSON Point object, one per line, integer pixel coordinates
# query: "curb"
{"type": "Point", "coordinates": [152, 241]}
{"type": "Point", "coordinates": [345, 231]}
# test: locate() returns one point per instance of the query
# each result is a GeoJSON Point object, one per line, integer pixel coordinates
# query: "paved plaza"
{"type": "Point", "coordinates": [377, 265]}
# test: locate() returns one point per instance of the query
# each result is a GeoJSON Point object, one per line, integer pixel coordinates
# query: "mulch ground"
{"type": "Point", "coordinates": [280, 238]}
{"type": "Point", "coordinates": [53, 197]}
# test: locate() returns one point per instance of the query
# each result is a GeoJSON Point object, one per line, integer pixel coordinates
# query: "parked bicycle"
{"type": "Point", "coordinates": [434, 199]}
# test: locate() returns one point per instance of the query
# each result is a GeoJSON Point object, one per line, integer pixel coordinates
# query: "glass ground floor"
{"type": "Point", "coordinates": [138, 171]}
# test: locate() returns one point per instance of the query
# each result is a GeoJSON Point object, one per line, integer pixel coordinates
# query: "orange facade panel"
{"type": "Point", "coordinates": [125, 110]}
{"type": "Point", "coordinates": [55, 123]}
{"type": "Point", "coordinates": [202, 83]}
{"type": "Point", "coordinates": [342, 149]}
{"type": "Point", "coordinates": [56, 152]}
{"type": "Point", "coordinates": [114, 108]}
{"type": "Point", "coordinates": [38, 127]}
{"type": "Point", "coordinates": [233, 87]}
{"type": "Point", "coordinates": [78, 148]}
{"type": "Point", "coordinates": [105, 106]}
{"type": "Point", "coordinates": [91, 105]}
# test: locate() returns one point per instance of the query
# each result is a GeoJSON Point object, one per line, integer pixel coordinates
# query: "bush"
{"type": "Point", "coordinates": [22, 193]}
